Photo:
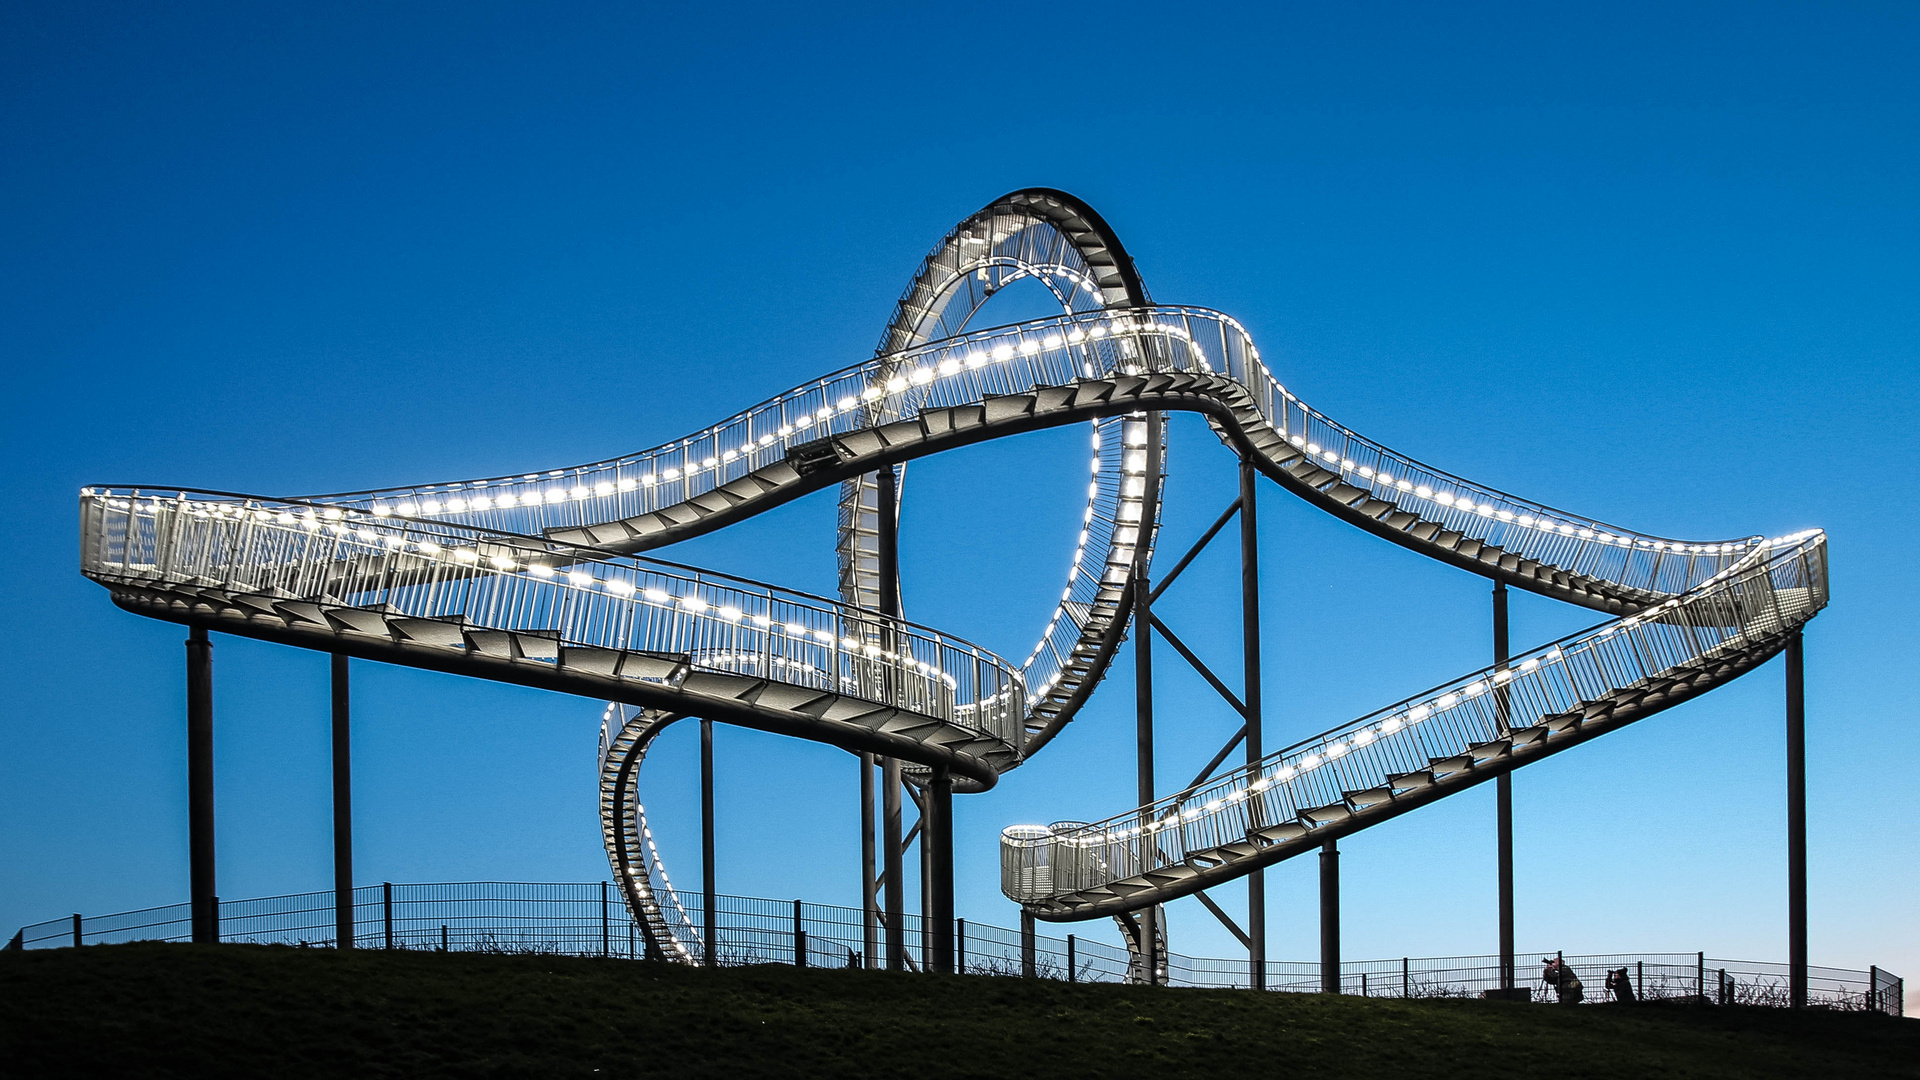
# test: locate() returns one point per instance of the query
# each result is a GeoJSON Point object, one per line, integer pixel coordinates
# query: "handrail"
{"type": "Point", "coordinates": [1747, 607]}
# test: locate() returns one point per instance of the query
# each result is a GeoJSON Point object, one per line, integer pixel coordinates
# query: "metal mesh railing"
{"type": "Point", "coordinates": [438, 583]}
{"type": "Point", "coordinates": [588, 919]}
{"type": "Point", "coordinates": [1747, 607]}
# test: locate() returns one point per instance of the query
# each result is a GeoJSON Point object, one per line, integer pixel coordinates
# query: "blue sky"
{"type": "Point", "coordinates": [1650, 263]}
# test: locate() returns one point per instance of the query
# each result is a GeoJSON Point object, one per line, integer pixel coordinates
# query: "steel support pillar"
{"type": "Point", "coordinates": [1250, 647]}
{"type": "Point", "coordinates": [937, 837]}
{"type": "Point", "coordinates": [205, 922]}
{"type": "Point", "coordinates": [1796, 824]}
{"type": "Point", "coordinates": [869, 903]}
{"type": "Point", "coordinates": [710, 913]}
{"type": "Point", "coordinates": [1503, 794]}
{"type": "Point", "coordinates": [1143, 675]}
{"type": "Point", "coordinates": [887, 538]}
{"type": "Point", "coordinates": [895, 865]}
{"type": "Point", "coordinates": [1330, 917]}
{"type": "Point", "coordinates": [343, 928]}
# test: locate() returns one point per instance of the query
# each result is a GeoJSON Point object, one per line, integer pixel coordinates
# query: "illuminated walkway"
{"type": "Point", "coordinates": [536, 579]}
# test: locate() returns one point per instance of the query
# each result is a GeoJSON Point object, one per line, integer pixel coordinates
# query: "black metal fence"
{"type": "Point", "coordinates": [589, 919]}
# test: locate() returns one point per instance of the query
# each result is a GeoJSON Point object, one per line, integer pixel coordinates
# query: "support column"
{"type": "Point", "coordinates": [869, 904]}
{"type": "Point", "coordinates": [1143, 675]}
{"type": "Point", "coordinates": [938, 835]}
{"type": "Point", "coordinates": [1503, 794]}
{"type": "Point", "coordinates": [887, 530]}
{"type": "Point", "coordinates": [890, 836]}
{"type": "Point", "coordinates": [710, 916]}
{"type": "Point", "coordinates": [1796, 824]}
{"type": "Point", "coordinates": [1330, 917]}
{"type": "Point", "coordinates": [1250, 646]}
{"type": "Point", "coordinates": [343, 928]}
{"type": "Point", "coordinates": [205, 923]}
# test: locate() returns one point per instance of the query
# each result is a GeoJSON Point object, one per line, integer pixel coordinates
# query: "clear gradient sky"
{"type": "Point", "coordinates": [1656, 264]}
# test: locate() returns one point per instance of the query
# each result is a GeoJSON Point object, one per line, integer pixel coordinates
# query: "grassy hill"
{"type": "Point", "coordinates": [169, 1010]}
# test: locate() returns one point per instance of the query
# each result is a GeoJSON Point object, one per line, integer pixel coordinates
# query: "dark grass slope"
{"type": "Point", "coordinates": [239, 1010]}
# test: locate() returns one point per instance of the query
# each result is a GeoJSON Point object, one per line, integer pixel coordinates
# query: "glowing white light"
{"type": "Point", "coordinates": [657, 596]}
{"type": "Point", "coordinates": [579, 578]}
{"type": "Point", "coordinates": [693, 604]}
{"type": "Point", "coordinates": [620, 586]}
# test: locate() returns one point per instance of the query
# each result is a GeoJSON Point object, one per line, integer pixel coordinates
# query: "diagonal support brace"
{"type": "Point", "coordinates": [1194, 551]}
{"type": "Point", "coordinates": [1225, 920]}
{"type": "Point", "coordinates": [1212, 679]}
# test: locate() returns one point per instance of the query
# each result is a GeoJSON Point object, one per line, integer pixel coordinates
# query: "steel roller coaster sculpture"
{"type": "Point", "coordinates": [536, 579]}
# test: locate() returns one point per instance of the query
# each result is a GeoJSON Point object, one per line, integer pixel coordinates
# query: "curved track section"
{"type": "Point", "coordinates": [533, 578]}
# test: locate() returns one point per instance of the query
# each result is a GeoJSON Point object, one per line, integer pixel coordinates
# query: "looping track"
{"type": "Point", "coordinates": [535, 579]}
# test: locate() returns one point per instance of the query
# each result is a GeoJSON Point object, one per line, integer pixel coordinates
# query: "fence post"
{"type": "Point", "coordinates": [443, 938]}
{"type": "Point", "coordinates": [606, 927]}
{"type": "Point", "coordinates": [1725, 995]}
{"type": "Point", "coordinates": [799, 938]}
{"type": "Point", "coordinates": [1073, 959]}
{"type": "Point", "coordinates": [1028, 967]}
{"type": "Point", "coordinates": [386, 904]}
{"type": "Point", "coordinates": [1406, 977]}
{"type": "Point", "coordinates": [1640, 980]}
{"type": "Point", "coordinates": [1700, 976]}
{"type": "Point", "coordinates": [960, 946]}
{"type": "Point", "coordinates": [1873, 986]}
{"type": "Point", "coordinates": [213, 917]}
{"type": "Point", "coordinates": [76, 929]}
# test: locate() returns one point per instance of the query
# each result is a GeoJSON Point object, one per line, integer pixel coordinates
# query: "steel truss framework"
{"type": "Point", "coordinates": [537, 579]}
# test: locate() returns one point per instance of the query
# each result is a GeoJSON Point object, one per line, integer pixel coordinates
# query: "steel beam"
{"type": "Point", "coordinates": [1796, 824]}
{"type": "Point", "coordinates": [887, 540]}
{"type": "Point", "coordinates": [205, 922]}
{"type": "Point", "coordinates": [869, 873]}
{"type": "Point", "coordinates": [343, 923]}
{"type": "Point", "coordinates": [1143, 676]}
{"type": "Point", "coordinates": [1250, 703]}
{"type": "Point", "coordinates": [1330, 917]}
{"type": "Point", "coordinates": [938, 843]}
{"type": "Point", "coordinates": [710, 913]}
{"type": "Point", "coordinates": [1503, 794]}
